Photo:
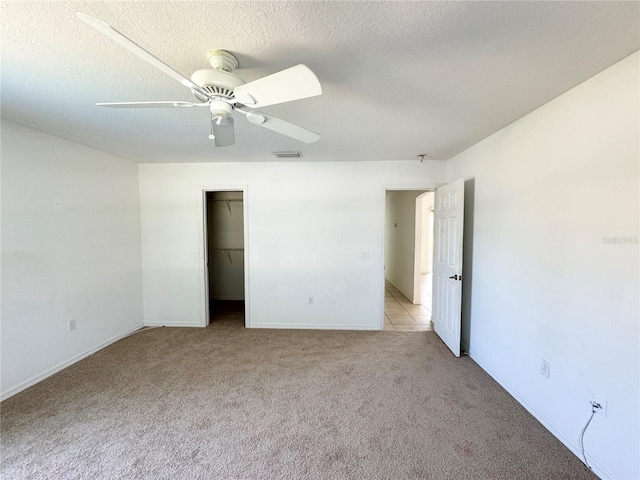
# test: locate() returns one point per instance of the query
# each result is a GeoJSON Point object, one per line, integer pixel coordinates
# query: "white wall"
{"type": "Point", "coordinates": [307, 225]}
{"type": "Point", "coordinates": [400, 241]}
{"type": "Point", "coordinates": [70, 250]}
{"type": "Point", "coordinates": [541, 281]}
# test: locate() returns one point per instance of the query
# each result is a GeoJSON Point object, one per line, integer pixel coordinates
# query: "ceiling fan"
{"type": "Point", "coordinates": [224, 93]}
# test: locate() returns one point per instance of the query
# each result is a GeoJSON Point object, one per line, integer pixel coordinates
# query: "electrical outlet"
{"type": "Point", "coordinates": [545, 368]}
{"type": "Point", "coordinates": [72, 324]}
{"type": "Point", "coordinates": [310, 300]}
{"type": "Point", "coordinates": [602, 403]}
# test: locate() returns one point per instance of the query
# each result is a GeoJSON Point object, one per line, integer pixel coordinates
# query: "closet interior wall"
{"type": "Point", "coordinates": [225, 245]}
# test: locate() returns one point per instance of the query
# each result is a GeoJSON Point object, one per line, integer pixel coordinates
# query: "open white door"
{"type": "Point", "coordinates": [447, 268]}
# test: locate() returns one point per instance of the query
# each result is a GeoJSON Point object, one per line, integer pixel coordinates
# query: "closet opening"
{"type": "Point", "coordinates": [225, 257]}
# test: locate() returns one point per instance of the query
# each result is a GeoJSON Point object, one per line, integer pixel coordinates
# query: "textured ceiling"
{"type": "Point", "coordinates": [399, 78]}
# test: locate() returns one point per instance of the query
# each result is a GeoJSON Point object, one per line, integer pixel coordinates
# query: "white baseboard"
{"type": "Point", "coordinates": [61, 366]}
{"type": "Point", "coordinates": [154, 324]}
{"type": "Point", "coordinates": [302, 326]}
{"type": "Point", "coordinates": [598, 469]}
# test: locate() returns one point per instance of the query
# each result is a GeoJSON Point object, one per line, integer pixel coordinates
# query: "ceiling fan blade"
{"type": "Point", "coordinates": [223, 134]}
{"type": "Point", "coordinates": [133, 47]}
{"type": "Point", "coordinates": [291, 84]}
{"type": "Point", "coordinates": [150, 104]}
{"type": "Point", "coordinates": [280, 126]}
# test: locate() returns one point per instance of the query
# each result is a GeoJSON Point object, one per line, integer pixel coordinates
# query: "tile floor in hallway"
{"type": "Point", "coordinates": [401, 315]}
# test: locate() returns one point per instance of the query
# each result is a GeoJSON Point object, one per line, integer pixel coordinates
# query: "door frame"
{"type": "Point", "coordinates": [422, 218]}
{"type": "Point", "coordinates": [427, 187]}
{"type": "Point", "coordinates": [205, 248]}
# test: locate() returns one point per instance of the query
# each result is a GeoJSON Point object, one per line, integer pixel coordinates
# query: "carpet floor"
{"type": "Point", "coordinates": [226, 402]}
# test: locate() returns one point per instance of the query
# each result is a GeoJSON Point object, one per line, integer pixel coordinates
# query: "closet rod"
{"type": "Point", "coordinates": [228, 202]}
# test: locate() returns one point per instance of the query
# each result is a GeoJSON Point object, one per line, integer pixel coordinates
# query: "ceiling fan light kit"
{"type": "Point", "coordinates": [225, 93]}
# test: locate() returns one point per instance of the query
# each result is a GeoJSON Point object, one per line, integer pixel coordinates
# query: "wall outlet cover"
{"type": "Point", "coordinates": [545, 368]}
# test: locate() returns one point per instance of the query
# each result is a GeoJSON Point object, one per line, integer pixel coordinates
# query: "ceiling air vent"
{"type": "Point", "coordinates": [287, 154]}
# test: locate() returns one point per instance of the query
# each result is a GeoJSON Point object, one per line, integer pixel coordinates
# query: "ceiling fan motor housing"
{"type": "Point", "coordinates": [215, 82]}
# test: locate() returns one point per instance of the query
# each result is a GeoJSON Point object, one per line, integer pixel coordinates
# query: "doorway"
{"type": "Point", "coordinates": [225, 257]}
{"type": "Point", "coordinates": [408, 257]}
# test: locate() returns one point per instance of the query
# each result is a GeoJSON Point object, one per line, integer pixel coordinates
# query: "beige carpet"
{"type": "Point", "coordinates": [230, 403]}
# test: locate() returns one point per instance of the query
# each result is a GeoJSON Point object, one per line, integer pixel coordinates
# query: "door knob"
{"type": "Point", "coordinates": [455, 277]}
